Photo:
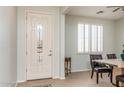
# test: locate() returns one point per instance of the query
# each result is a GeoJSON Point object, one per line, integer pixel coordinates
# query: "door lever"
{"type": "Point", "coordinates": [50, 55]}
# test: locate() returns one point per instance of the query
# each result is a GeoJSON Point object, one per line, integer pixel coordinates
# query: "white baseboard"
{"type": "Point", "coordinates": [62, 78]}
{"type": "Point", "coordinates": [7, 84]}
{"type": "Point", "coordinates": [80, 70]}
{"type": "Point", "coordinates": [21, 81]}
{"type": "Point", "coordinates": [55, 77]}
{"type": "Point", "coordinates": [13, 84]}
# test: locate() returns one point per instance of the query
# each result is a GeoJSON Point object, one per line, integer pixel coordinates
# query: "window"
{"type": "Point", "coordinates": [90, 38]}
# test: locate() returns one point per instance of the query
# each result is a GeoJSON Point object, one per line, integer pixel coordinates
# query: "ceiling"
{"type": "Point", "coordinates": [90, 11]}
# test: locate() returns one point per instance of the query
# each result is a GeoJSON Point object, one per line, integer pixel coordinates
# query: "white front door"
{"type": "Point", "coordinates": [39, 46]}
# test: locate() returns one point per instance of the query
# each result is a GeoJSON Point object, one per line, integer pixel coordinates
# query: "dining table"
{"type": "Point", "coordinates": [118, 67]}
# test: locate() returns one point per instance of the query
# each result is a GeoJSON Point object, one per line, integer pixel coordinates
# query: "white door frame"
{"type": "Point", "coordinates": [46, 13]}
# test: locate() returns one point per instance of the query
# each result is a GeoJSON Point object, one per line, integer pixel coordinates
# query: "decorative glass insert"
{"type": "Point", "coordinates": [39, 37]}
{"type": "Point", "coordinates": [39, 31]}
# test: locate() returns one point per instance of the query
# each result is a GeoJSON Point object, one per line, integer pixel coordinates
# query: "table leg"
{"type": "Point", "coordinates": [70, 66]}
{"type": "Point", "coordinates": [67, 67]}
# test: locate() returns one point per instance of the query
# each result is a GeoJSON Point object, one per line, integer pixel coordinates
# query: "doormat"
{"type": "Point", "coordinates": [42, 85]}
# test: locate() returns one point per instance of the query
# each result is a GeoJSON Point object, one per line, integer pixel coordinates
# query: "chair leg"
{"type": "Point", "coordinates": [111, 77]}
{"type": "Point", "coordinates": [101, 75]}
{"type": "Point", "coordinates": [92, 74]}
{"type": "Point", "coordinates": [97, 77]}
{"type": "Point", "coordinates": [117, 83]}
{"type": "Point", "coordinates": [109, 74]}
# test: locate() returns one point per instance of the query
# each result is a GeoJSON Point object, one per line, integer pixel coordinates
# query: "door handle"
{"type": "Point", "coordinates": [50, 55]}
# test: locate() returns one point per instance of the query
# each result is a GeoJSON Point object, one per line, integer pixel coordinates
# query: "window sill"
{"type": "Point", "coordinates": [89, 53]}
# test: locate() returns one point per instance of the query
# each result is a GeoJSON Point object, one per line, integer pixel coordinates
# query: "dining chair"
{"type": "Point", "coordinates": [119, 78]}
{"type": "Point", "coordinates": [111, 56]}
{"type": "Point", "coordinates": [99, 67]}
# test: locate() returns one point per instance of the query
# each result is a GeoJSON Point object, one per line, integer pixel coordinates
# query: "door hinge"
{"type": "Point", "coordinates": [26, 53]}
{"type": "Point", "coordinates": [26, 36]}
{"type": "Point", "coordinates": [26, 70]}
{"type": "Point", "coordinates": [26, 17]}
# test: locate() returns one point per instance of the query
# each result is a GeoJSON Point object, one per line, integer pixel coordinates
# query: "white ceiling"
{"type": "Point", "coordinates": [90, 11]}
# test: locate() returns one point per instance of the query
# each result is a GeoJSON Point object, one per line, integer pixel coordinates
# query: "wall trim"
{"type": "Point", "coordinates": [56, 77]}
{"type": "Point", "coordinates": [62, 78]}
{"type": "Point", "coordinates": [80, 70]}
{"type": "Point", "coordinates": [21, 81]}
{"type": "Point", "coordinates": [7, 84]}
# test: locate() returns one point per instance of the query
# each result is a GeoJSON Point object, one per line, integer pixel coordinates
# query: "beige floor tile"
{"type": "Point", "coordinates": [76, 79]}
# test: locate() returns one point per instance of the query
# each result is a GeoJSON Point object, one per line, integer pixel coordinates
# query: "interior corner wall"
{"type": "Point", "coordinates": [21, 45]}
{"type": "Point", "coordinates": [62, 45]}
{"type": "Point", "coordinates": [80, 62]}
{"type": "Point", "coordinates": [8, 45]}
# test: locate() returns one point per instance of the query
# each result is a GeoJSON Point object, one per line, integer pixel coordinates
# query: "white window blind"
{"type": "Point", "coordinates": [90, 38]}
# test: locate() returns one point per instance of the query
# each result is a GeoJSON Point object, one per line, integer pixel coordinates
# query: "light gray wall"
{"type": "Point", "coordinates": [8, 53]}
{"type": "Point", "coordinates": [81, 61]}
{"type": "Point", "coordinates": [119, 36]}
